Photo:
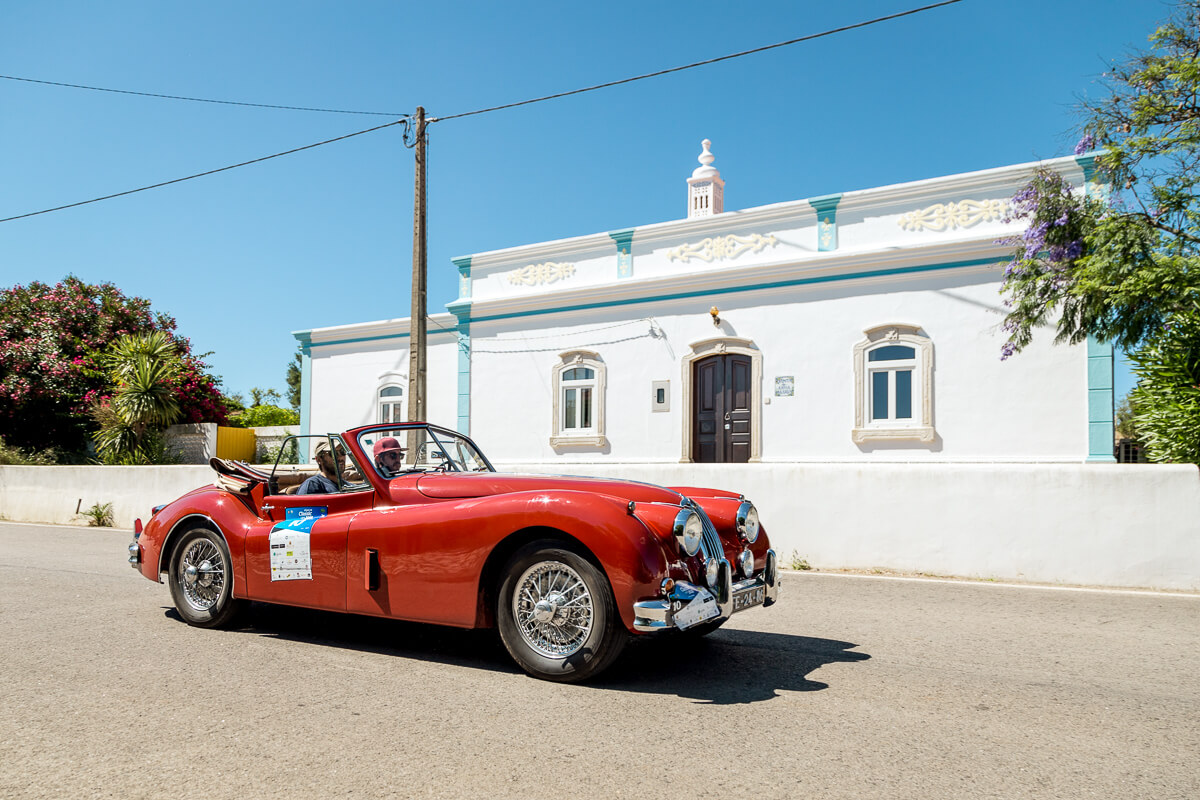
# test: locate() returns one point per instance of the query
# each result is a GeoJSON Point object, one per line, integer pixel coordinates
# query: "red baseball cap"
{"type": "Point", "coordinates": [386, 444]}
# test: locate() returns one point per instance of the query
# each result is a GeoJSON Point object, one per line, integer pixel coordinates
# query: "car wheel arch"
{"type": "Point", "coordinates": [182, 526]}
{"type": "Point", "coordinates": [493, 567]}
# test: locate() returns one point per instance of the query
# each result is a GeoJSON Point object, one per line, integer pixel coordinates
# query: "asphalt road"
{"type": "Point", "coordinates": [849, 687]}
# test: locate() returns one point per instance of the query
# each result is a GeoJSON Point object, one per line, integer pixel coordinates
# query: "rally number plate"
{"type": "Point", "coordinates": [703, 606]}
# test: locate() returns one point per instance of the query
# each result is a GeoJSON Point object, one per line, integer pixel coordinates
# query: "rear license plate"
{"type": "Point", "coordinates": [748, 598]}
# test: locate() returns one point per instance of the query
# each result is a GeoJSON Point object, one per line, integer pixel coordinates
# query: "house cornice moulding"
{"type": "Point", "coordinates": [984, 183]}
{"type": "Point", "coordinates": [955, 187]}
{"type": "Point", "coordinates": [579, 248]}
{"type": "Point", "coordinates": [439, 324]}
{"type": "Point", "coordinates": [979, 253]}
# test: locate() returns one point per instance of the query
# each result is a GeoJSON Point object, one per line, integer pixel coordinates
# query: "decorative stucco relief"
{"type": "Point", "coordinates": [948, 216]}
{"type": "Point", "coordinates": [536, 274]}
{"type": "Point", "coordinates": [827, 234]}
{"type": "Point", "coordinates": [717, 248]}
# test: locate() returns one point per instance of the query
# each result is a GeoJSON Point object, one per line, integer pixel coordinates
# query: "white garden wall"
{"type": "Point", "coordinates": [1105, 525]}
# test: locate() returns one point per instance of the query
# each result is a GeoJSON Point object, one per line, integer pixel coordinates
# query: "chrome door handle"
{"type": "Point", "coordinates": [268, 508]}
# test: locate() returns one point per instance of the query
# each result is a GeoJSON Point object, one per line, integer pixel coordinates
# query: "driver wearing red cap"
{"type": "Point", "coordinates": [389, 456]}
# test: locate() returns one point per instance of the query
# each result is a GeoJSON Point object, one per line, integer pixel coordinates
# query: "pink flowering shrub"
{"type": "Point", "coordinates": [50, 376]}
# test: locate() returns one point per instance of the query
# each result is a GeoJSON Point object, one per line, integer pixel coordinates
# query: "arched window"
{"type": "Point", "coordinates": [578, 392]}
{"type": "Point", "coordinates": [893, 377]}
{"type": "Point", "coordinates": [578, 380]}
{"type": "Point", "coordinates": [391, 404]}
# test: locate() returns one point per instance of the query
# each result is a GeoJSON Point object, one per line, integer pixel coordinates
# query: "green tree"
{"type": "Point", "coordinates": [1166, 401]}
{"type": "Point", "coordinates": [264, 415]}
{"type": "Point", "coordinates": [1123, 421]}
{"type": "Point", "coordinates": [294, 377]}
{"type": "Point", "coordinates": [260, 396]}
{"type": "Point", "coordinates": [1126, 267]}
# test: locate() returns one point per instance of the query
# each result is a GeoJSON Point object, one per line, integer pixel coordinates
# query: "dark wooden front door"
{"type": "Point", "coordinates": [721, 409]}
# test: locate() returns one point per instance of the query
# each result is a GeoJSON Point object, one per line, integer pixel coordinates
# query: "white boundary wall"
{"type": "Point", "coordinates": [1112, 525]}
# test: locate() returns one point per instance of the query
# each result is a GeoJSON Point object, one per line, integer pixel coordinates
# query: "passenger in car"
{"type": "Point", "coordinates": [326, 482]}
{"type": "Point", "coordinates": [389, 456]}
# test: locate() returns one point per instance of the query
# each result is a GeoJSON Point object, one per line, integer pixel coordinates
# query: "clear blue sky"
{"type": "Point", "coordinates": [324, 237]}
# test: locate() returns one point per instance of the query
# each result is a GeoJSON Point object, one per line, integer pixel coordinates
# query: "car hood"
{"type": "Point", "coordinates": [483, 484]}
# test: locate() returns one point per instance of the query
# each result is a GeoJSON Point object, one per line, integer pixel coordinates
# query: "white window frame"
{"type": "Point", "coordinates": [920, 426]}
{"type": "Point", "coordinates": [592, 436]}
{"type": "Point", "coordinates": [400, 400]}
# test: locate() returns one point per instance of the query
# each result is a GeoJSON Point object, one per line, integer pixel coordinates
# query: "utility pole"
{"type": "Point", "coordinates": [416, 340]}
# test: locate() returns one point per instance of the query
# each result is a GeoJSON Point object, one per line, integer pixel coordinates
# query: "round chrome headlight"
{"type": "Point", "coordinates": [688, 530]}
{"type": "Point", "coordinates": [747, 521]}
{"type": "Point", "coordinates": [712, 572]}
{"type": "Point", "coordinates": [746, 562]}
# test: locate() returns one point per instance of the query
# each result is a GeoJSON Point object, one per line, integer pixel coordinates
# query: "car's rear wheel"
{"type": "Point", "coordinates": [556, 614]}
{"type": "Point", "coordinates": [201, 578]}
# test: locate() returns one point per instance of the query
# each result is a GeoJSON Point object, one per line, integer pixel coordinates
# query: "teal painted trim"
{"type": "Point", "coordinates": [737, 289]}
{"type": "Point", "coordinates": [1100, 401]}
{"type": "Point", "coordinates": [464, 275]}
{"type": "Point", "coordinates": [827, 232]}
{"type": "Point", "coordinates": [624, 240]}
{"type": "Point", "coordinates": [305, 339]}
{"type": "Point", "coordinates": [362, 339]}
{"type": "Point", "coordinates": [826, 202]}
{"type": "Point", "coordinates": [1093, 184]}
{"type": "Point", "coordinates": [1087, 163]}
{"type": "Point", "coordinates": [464, 373]}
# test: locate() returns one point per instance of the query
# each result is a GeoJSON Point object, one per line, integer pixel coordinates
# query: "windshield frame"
{"type": "Point", "coordinates": [427, 449]}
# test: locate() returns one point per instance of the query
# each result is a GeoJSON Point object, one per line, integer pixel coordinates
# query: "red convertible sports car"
{"type": "Point", "coordinates": [411, 521]}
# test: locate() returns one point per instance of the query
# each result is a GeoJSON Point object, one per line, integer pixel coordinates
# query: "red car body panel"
{"type": "Point", "coordinates": [429, 536]}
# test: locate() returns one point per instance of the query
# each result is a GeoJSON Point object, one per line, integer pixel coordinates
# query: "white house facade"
{"type": "Point", "coordinates": [862, 327]}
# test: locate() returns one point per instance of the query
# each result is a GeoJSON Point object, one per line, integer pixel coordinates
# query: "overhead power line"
{"type": "Point", "coordinates": [706, 62]}
{"type": "Point", "coordinates": [199, 99]}
{"type": "Point", "coordinates": [405, 118]}
{"type": "Point", "coordinates": [209, 172]}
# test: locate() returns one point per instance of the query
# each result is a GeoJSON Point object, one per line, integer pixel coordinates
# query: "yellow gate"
{"type": "Point", "coordinates": [235, 443]}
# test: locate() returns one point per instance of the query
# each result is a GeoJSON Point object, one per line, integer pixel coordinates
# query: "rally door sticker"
{"type": "Point", "coordinates": [291, 558]}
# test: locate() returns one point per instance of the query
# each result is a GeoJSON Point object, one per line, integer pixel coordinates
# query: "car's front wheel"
{"type": "Point", "coordinates": [201, 577]}
{"type": "Point", "coordinates": [556, 614]}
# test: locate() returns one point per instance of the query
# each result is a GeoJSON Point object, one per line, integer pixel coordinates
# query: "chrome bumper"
{"type": "Point", "coordinates": [659, 615]}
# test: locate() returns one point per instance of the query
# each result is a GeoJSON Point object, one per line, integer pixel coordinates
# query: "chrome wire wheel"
{"type": "Point", "coordinates": [203, 573]}
{"type": "Point", "coordinates": [553, 609]}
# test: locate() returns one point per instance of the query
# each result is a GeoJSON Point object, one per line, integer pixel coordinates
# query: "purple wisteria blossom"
{"type": "Point", "coordinates": [1085, 145]}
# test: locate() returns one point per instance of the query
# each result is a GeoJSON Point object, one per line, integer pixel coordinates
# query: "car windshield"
{"type": "Point", "coordinates": [421, 449]}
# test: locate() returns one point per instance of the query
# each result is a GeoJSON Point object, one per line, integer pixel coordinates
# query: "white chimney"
{"type": "Point", "coordinates": [706, 190]}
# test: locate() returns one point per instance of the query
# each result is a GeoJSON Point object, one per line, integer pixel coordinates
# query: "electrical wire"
{"type": "Point", "coordinates": [651, 320]}
{"type": "Point", "coordinates": [706, 62]}
{"type": "Point", "coordinates": [648, 335]}
{"type": "Point", "coordinates": [404, 118]}
{"type": "Point", "coordinates": [199, 99]}
{"type": "Point", "coordinates": [209, 172]}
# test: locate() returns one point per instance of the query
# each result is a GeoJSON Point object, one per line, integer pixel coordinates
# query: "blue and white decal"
{"type": "Point", "coordinates": [291, 556]}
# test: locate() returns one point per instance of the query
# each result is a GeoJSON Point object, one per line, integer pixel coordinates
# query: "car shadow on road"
{"type": "Point", "coordinates": [437, 643]}
{"type": "Point", "coordinates": [725, 667]}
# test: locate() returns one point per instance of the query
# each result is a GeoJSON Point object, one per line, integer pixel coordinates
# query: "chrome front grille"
{"type": "Point", "coordinates": [710, 539]}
